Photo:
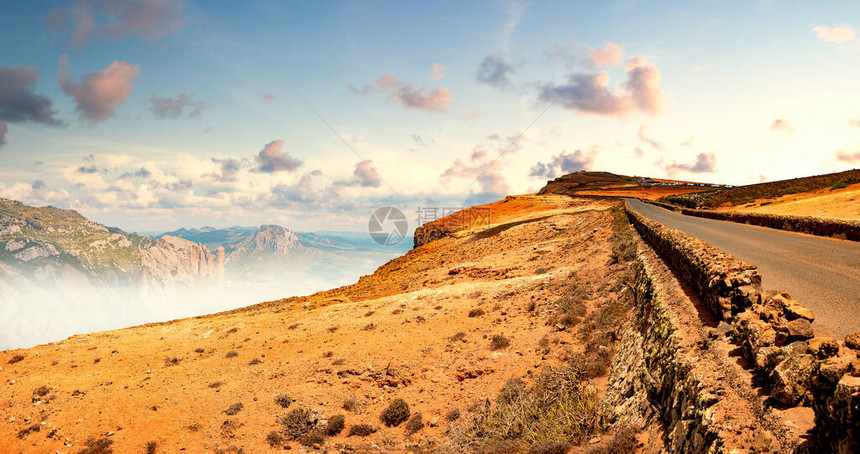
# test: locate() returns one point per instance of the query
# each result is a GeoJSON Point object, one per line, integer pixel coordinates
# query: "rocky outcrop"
{"type": "Point", "coordinates": [270, 241]}
{"type": "Point", "coordinates": [774, 332]}
{"type": "Point", "coordinates": [176, 259]}
{"type": "Point", "coordinates": [849, 230]}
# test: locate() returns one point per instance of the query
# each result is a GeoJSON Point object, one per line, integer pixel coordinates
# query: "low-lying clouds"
{"type": "Point", "coordinates": [704, 163]}
{"type": "Point", "coordinates": [272, 158]}
{"type": "Point", "coordinates": [177, 107]}
{"type": "Point", "coordinates": [478, 168]}
{"type": "Point", "coordinates": [563, 163]}
{"type": "Point", "coordinates": [590, 93]}
{"type": "Point", "coordinates": [87, 20]}
{"type": "Point", "coordinates": [366, 175]}
{"type": "Point", "coordinates": [99, 93]}
{"type": "Point", "coordinates": [19, 103]}
{"type": "Point", "coordinates": [434, 99]}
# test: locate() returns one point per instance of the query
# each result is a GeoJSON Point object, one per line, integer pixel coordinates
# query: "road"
{"type": "Point", "coordinates": [823, 273]}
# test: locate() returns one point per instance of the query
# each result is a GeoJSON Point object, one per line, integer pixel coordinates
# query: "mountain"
{"type": "Point", "coordinates": [48, 244]}
{"type": "Point", "coordinates": [212, 237]}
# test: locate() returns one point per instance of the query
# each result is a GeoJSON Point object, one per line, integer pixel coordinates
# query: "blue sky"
{"type": "Point", "coordinates": [153, 114]}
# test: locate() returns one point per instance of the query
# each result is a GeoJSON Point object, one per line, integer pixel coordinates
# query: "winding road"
{"type": "Point", "coordinates": [823, 273]}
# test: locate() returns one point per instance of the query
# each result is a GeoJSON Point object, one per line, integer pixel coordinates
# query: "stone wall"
{"type": "Point", "coordinates": [774, 332]}
{"type": "Point", "coordinates": [849, 230]}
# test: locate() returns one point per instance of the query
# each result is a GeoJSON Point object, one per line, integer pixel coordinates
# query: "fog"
{"type": "Point", "coordinates": [38, 313]}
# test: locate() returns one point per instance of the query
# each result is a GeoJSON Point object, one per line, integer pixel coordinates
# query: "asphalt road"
{"type": "Point", "coordinates": [823, 273]}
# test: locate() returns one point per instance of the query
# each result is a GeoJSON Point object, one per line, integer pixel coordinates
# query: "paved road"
{"type": "Point", "coordinates": [823, 273]}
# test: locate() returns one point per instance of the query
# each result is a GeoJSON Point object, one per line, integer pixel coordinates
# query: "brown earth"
{"type": "Point", "coordinates": [826, 203]}
{"type": "Point", "coordinates": [387, 336]}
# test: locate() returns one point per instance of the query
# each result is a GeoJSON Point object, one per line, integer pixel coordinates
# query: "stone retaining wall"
{"type": "Point", "coordinates": [849, 230]}
{"type": "Point", "coordinates": [774, 332]}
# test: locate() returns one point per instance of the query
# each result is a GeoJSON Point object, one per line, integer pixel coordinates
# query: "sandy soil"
{"type": "Point", "coordinates": [824, 203]}
{"type": "Point", "coordinates": [387, 336]}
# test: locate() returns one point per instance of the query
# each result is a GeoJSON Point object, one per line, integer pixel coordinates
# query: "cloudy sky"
{"type": "Point", "coordinates": [156, 114]}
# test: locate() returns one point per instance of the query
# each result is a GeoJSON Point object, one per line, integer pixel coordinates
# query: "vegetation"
{"type": "Point", "coordinates": [352, 404]}
{"type": "Point", "coordinates": [414, 424]}
{"type": "Point", "coordinates": [623, 442]}
{"type": "Point", "coordinates": [283, 400]}
{"type": "Point", "coordinates": [499, 342]}
{"type": "Point", "coordinates": [16, 359]}
{"type": "Point", "coordinates": [150, 447]}
{"type": "Point", "coordinates": [361, 430]}
{"type": "Point", "coordinates": [335, 425]}
{"type": "Point", "coordinates": [234, 408]}
{"type": "Point", "coordinates": [97, 446]}
{"type": "Point", "coordinates": [396, 413]}
{"type": "Point", "coordinates": [839, 185]}
{"type": "Point", "coordinates": [476, 312]}
{"type": "Point", "coordinates": [298, 424]}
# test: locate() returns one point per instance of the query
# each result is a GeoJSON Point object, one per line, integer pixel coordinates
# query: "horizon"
{"type": "Point", "coordinates": [148, 116]}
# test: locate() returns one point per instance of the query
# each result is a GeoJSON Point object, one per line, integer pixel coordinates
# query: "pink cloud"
{"type": "Point", "coordinates": [848, 157]}
{"type": "Point", "coordinates": [433, 99]}
{"type": "Point", "coordinates": [609, 55]}
{"type": "Point", "coordinates": [99, 93]}
{"type": "Point", "coordinates": [91, 19]}
{"type": "Point", "coordinates": [840, 34]}
{"type": "Point", "coordinates": [273, 158]}
{"type": "Point", "coordinates": [438, 71]}
{"type": "Point", "coordinates": [590, 93]}
{"type": "Point", "coordinates": [365, 174]}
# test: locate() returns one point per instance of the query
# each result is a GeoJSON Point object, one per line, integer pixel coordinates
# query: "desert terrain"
{"type": "Point", "coordinates": [840, 203]}
{"type": "Point", "coordinates": [443, 328]}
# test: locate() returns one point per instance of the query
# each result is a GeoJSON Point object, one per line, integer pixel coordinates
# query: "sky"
{"type": "Point", "coordinates": [158, 114]}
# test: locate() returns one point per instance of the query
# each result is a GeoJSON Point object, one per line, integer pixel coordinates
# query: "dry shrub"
{"type": "Point", "coordinates": [255, 361]}
{"type": "Point", "coordinates": [283, 400]}
{"type": "Point", "coordinates": [16, 358]}
{"type": "Point", "coordinates": [97, 446]}
{"type": "Point", "coordinates": [335, 424]}
{"type": "Point", "coordinates": [352, 404]}
{"type": "Point", "coordinates": [231, 354]}
{"type": "Point", "coordinates": [461, 336]}
{"type": "Point", "coordinates": [40, 392]}
{"type": "Point", "coordinates": [550, 447]}
{"type": "Point", "coordinates": [216, 384]}
{"type": "Point", "coordinates": [558, 406]}
{"type": "Point", "coordinates": [171, 361]}
{"type": "Point", "coordinates": [150, 447]}
{"type": "Point", "coordinates": [29, 429]}
{"type": "Point", "coordinates": [234, 408]}
{"type": "Point", "coordinates": [275, 439]}
{"type": "Point", "coordinates": [453, 414]}
{"type": "Point", "coordinates": [476, 312]}
{"type": "Point", "coordinates": [396, 413]}
{"type": "Point", "coordinates": [369, 327]}
{"type": "Point", "coordinates": [414, 424]}
{"type": "Point", "coordinates": [361, 430]}
{"type": "Point", "coordinates": [297, 423]}
{"type": "Point", "coordinates": [313, 438]}
{"type": "Point", "coordinates": [499, 342]}
{"type": "Point", "coordinates": [622, 442]}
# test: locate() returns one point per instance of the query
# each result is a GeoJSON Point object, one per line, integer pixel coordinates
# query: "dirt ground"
{"type": "Point", "coordinates": [393, 334]}
{"type": "Point", "coordinates": [823, 203]}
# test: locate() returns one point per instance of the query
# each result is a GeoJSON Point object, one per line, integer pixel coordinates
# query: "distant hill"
{"type": "Point", "coordinates": [212, 237]}
{"type": "Point", "coordinates": [591, 183]}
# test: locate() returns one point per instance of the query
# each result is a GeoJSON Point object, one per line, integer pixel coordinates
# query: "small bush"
{"type": "Point", "coordinates": [40, 392]}
{"type": "Point", "coordinates": [396, 413]}
{"type": "Point", "coordinates": [453, 414]}
{"type": "Point", "coordinates": [283, 400]}
{"type": "Point", "coordinates": [414, 424]}
{"type": "Point", "coordinates": [275, 439]}
{"type": "Point", "coordinates": [231, 354]}
{"type": "Point", "coordinates": [839, 185]}
{"type": "Point", "coordinates": [335, 425]}
{"type": "Point", "coordinates": [352, 404]}
{"type": "Point", "coordinates": [369, 327]}
{"type": "Point", "coordinates": [315, 437]}
{"type": "Point", "coordinates": [29, 429]}
{"type": "Point", "coordinates": [622, 442]}
{"type": "Point", "coordinates": [551, 447]}
{"type": "Point", "coordinates": [150, 447]}
{"type": "Point", "coordinates": [361, 430]}
{"type": "Point", "coordinates": [499, 342]}
{"type": "Point", "coordinates": [298, 423]}
{"type": "Point", "coordinates": [476, 313]}
{"type": "Point", "coordinates": [97, 446]}
{"type": "Point", "coordinates": [16, 358]}
{"type": "Point", "coordinates": [461, 336]}
{"type": "Point", "coordinates": [216, 384]}
{"type": "Point", "coordinates": [171, 361]}
{"type": "Point", "coordinates": [328, 354]}
{"type": "Point", "coordinates": [255, 361]}
{"type": "Point", "coordinates": [234, 408]}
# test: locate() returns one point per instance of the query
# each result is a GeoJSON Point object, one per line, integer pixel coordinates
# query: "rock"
{"type": "Point", "coordinates": [788, 307]}
{"type": "Point", "coordinates": [800, 328]}
{"type": "Point", "coordinates": [853, 340]}
{"type": "Point", "coordinates": [766, 358]}
{"type": "Point", "coordinates": [823, 347]}
{"type": "Point", "coordinates": [831, 370]}
{"type": "Point", "coordinates": [791, 379]}
{"type": "Point", "coordinates": [723, 328]}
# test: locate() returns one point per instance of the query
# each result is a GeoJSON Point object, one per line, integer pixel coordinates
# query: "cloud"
{"type": "Point", "coordinates": [705, 163]}
{"type": "Point", "coordinates": [477, 168]}
{"type": "Point", "coordinates": [268, 97]}
{"type": "Point", "coordinates": [175, 107]}
{"type": "Point", "coordinates": [422, 98]}
{"type": "Point", "coordinates": [422, 141]}
{"type": "Point", "coordinates": [437, 72]}
{"type": "Point", "coordinates": [230, 168]}
{"type": "Point", "coordinates": [782, 126]}
{"type": "Point", "coordinates": [638, 152]}
{"type": "Point", "coordinates": [19, 103]}
{"type": "Point", "coordinates": [495, 70]}
{"type": "Point", "coordinates": [854, 123]}
{"type": "Point", "coordinates": [643, 136]}
{"type": "Point", "coordinates": [590, 93]}
{"type": "Point", "coordinates": [3, 129]}
{"type": "Point", "coordinates": [688, 142]}
{"type": "Point", "coordinates": [365, 174]}
{"type": "Point", "coordinates": [272, 159]}
{"type": "Point", "coordinates": [470, 115]}
{"type": "Point", "coordinates": [564, 163]}
{"type": "Point", "coordinates": [848, 157]}
{"type": "Point", "coordinates": [35, 193]}
{"type": "Point", "coordinates": [608, 55]}
{"type": "Point", "coordinates": [839, 35]}
{"type": "Point", "coordinates": [88, 20]}
{"type": "Point", "coordinates": [139, 173]}
{"type": "Point", "coordinates": [99, 93]}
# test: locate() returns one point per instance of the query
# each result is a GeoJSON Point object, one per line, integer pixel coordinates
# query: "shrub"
{"type": "Point", "coordinates": [315, 437]}
{"type": "Point", "coordinates": [29, 429]}
{"type": "Point", "coordinates": [231, 354]}
{"type": "Point", "coordinates": [396, 413]}
{"type": "Point", "coordinates": [255, 361]}
{"type": "Point", "coordinates": [453, 414]}
{"type": "Point", "coordinates": [839, 185]}
{"type": "Point", "coordinates": [369, 327]}
{"type": "Point", "coordinates": [361, 430]}
{"type": "Point", "coordinates": [283, 400]}
{"type": "Point", "coordinates": [16, 358]}
{"type": "Point", "coordinates": [275, 439]}
{"type": "Point", "coordinates": [414, 424]}
{"type": "Point", "coordinates": [216, 384]}
{"type": "Point", "coordinates": [352, 404]}
{"type": "Point", "coordinates": [97, 446]}
{"type": "Point", "coordinates": [150, 447]}
{"type": "Point", "coordinates": [335, 424]}
{"type": "Point", "coordinates": [298, 423]}
{"type": "Point", "coordinates": [476, 312]}
{"type": "Point", "coordinates": [40, 392]}
{"type": "Point", "coordinates": [234, 408]}
{"type": "Point", "coordinates": [461, 336]}
{"type": "Point", "coordinates": [499, 342]}
{"type": "Point", "coordinates": [623, 441]}
{"type": "Point", "coordinates": [171, 361]}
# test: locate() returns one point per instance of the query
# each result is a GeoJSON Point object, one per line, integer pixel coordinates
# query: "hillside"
{"type": "Point", "coordinates": [605, 184]}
